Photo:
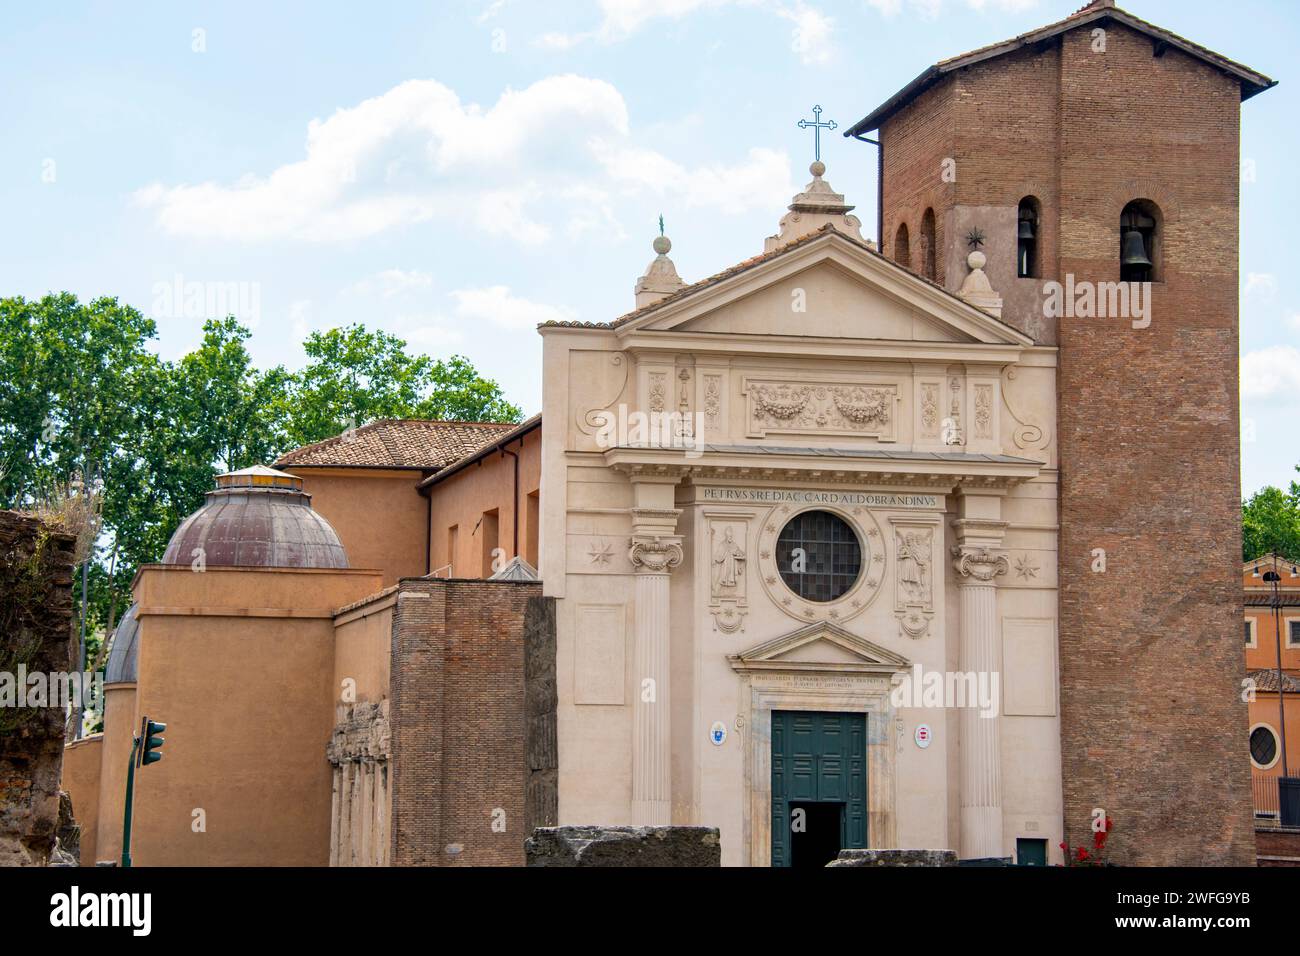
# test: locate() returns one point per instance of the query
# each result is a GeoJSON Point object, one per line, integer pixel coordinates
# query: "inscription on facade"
{"type": "Point", "coordinates": [869, 499]}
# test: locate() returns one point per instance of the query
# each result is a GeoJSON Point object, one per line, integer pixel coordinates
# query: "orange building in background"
{"type": "Point", "coordinates": [1272, 641]}
{"type": "Point", "coordinates": [263, 639]}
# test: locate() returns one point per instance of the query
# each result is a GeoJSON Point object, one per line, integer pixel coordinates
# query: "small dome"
{"type": "Point", "coordinates": [122, 652]}
{"type": "Point", "coordinates": [257, 518]}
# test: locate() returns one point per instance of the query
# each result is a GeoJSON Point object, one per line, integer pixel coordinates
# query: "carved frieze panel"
{"type": "Point", "coordinates": [658, 391]}
{"type": "Point", "coordinates": [714, 404]}
{"type": "Point", "coordinates": [983, 411]}
{"type": "Point", "coordinates": [915, 567]}
{"type": "Point", "coordinates": [860, 409]}
{"type": "Point", "coordinates": [728, 544]}
{"type": "Point", "coordinates": [930, 410]}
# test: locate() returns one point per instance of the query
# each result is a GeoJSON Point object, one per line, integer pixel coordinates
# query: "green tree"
{"type": "Point", "coordinates": [1270, 522]}
{"type": "Point", "coordinates": [356, 376]}
{"type": "Point", "coordinates": [70, 381]}
{"type": "Point", "coordinates": [81, 392]}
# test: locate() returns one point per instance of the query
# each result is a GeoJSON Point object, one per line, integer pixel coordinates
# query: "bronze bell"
{"type": "Point", "coordinates": [1135, 249]}
{"type": "Point", "coordinates": [1026, 229]}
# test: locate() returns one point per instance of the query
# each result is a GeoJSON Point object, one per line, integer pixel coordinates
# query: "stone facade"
{"type": "Point", "coordinates": [469, 757]}
{"type": "Point", "coordinates": [35, 634]}
{"type": "Point", "coordinates": [1148, 418]}
{"type": "Point", "coordinates": [819, 378]}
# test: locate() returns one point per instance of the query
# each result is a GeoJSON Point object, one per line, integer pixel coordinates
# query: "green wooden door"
{"type": "Point", "coordinates": [818, 758]}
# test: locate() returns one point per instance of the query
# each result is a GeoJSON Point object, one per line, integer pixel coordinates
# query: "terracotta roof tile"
{"type": "Point", "coordinates": [1252, 80]}
{"type": "Point", "coordinates": [396, 443]}
{"type": "Point", "coordinates": [1266, 680]}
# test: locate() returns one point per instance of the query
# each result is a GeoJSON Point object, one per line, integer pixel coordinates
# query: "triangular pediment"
{"type": "Point", "coordinates": [827, 285]}
{"type": "Point", "coordinates": [820, 646]}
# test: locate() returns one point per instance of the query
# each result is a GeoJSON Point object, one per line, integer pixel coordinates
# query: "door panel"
{"type": "Point", "coordinates": [818, 758]}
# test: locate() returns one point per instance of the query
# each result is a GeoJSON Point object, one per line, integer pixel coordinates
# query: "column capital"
{"type": "Point", "coordinates": [978, 565]}
{"type": "Point", "coordinates": [655, 553]}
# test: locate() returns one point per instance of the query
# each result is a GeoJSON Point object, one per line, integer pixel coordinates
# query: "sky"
{"type": "Point", "coordinates": [456, 172]}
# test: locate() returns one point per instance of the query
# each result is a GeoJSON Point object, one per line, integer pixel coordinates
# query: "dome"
{"type": "Point", "coordinates": [123, 649]}
{"type": "Point", "coordinates": [257, 518]}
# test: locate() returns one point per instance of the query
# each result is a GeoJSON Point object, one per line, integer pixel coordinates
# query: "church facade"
{"type": "Point", "coordinates": [840, 516]}
{"type": "Point", "coordinates": [849, 545]}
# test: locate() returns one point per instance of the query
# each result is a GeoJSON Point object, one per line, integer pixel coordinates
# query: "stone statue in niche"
{"type": "Point", "coordinates": [914, 580]}
{"type": "Point", "coordinates": [727, 559]}
{"type": "Point", "coordinates": [728, 564]}
{"type": "Point", "coordinates": [914, 566]}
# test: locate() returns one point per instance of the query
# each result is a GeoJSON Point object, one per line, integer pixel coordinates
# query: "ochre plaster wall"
{"type": "Point", "coordinates": [462, 499]}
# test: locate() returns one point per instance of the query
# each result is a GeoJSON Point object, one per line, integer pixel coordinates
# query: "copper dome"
{"type": "Point", "coordinates": [257, 518]}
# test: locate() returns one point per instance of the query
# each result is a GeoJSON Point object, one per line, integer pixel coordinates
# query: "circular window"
{"type": "Point", "coordinates": [1263, 746]}
{"type": "Point", "coordinates": [819, 556]}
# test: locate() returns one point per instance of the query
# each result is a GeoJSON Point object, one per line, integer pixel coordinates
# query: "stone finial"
{"type": "Point", "coordinates": [661, 279]}
{"type": "Point", "coordinates": [975, 288]}
{"type": "Point", "coordinates": [813, 208]}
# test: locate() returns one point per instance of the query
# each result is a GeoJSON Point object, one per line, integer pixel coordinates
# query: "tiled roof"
{"type": "Point", "coordinates": [484, 449]}
{"type": "Point", "coordinates": [1252, 81]}
{"type": "Point", "coordinates": [397, 443]}
{"type": "Point", "coordinates": [758, 260]}
{"type": "Point", "coordinates": [1266, 680]}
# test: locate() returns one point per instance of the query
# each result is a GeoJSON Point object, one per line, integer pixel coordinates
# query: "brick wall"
{"type": "Point", "coordinates": [460, 724]}
{"type": "Point", "coordinates": [1153, 728]}
{"type": "Point", "coordinates": [35, 633]}
{"type": "Point", "coordinates": [1277, 847]}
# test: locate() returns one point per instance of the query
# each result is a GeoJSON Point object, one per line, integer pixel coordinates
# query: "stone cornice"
{"type": "Point", "coordinates": [940, 473]}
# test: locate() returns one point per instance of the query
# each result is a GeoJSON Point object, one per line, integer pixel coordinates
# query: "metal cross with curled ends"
{"type": "Point", "coordinates": [816, 125]}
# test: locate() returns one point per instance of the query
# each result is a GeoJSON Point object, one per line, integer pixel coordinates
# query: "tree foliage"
{"type": "Point", "coordinates": [82, 393]}
{"type": "Point", "coordinates": [1270, 523]}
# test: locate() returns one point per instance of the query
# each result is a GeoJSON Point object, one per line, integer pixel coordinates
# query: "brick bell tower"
{"type": "Point", "coordinates": [1105, 148]}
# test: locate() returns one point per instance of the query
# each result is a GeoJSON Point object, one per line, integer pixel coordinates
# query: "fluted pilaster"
{"type": "Point", "coordinates": [981, 746]}
{"type": "Point", "coordinates": [653, 556]}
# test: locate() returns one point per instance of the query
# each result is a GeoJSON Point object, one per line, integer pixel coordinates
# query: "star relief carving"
{"type": "Point", "coordinates": [601, 552]}
{"type": "Point", "coordinates": [1026, 567]}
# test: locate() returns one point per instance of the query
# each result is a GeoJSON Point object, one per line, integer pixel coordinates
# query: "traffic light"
{"type": "Point", "coordinates": [152, 743]}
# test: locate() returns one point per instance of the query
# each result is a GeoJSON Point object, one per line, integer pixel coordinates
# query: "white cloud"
{"type": "Point", "coordinates": [1262, 283]}
{"type": "Point", "coordinates": [427, 333]}
{"type": "Point", "coordinates": [391, 282]}
{"type": "Point", "coordinates": [495, 304]}
{"type": "Point", "coordinates": [930, 9]}
{"type": "Point", "coordinates": [1272, 372]}
{"type": "Point", "coordinates": [417, 153]}
{"type": "Point", "coordinates": [737, 188]}
{"type": "Point", "coordinates": [812, 33]}
{"type": "Point", "coordinates": [620, 19]}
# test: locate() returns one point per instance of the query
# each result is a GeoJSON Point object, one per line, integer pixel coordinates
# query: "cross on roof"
{"type": "Point", "coordinates": [817, 126]}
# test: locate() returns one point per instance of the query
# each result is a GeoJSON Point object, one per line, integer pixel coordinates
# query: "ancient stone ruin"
{"type": "Point", "coordinates": [36, 636]}
{"type": "Point", "coordinates": [624, 846]}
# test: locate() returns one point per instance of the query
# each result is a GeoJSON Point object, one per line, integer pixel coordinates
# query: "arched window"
{"type": "Point", "coordinates": [1027, 238]}
{"type": "Point", "coordinates": [902, 248]}
{"type": "Point", "coordinates": [1139, 242]}
{"type": "Point", "coordinates": [927, 245]}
